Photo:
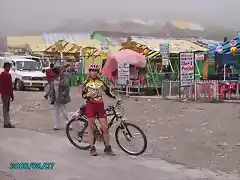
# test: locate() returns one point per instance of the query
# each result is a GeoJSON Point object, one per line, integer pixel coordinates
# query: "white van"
{"type": "Point", "coordinates": [26, 73]}
{"type": "Point", "coordinates": [42, 61]}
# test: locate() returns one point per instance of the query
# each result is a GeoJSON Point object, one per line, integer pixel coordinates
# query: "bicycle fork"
{"type": "Point", "coordinates": [126, 132]}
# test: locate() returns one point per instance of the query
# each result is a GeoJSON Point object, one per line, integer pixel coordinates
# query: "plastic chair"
{"type": "Point", "coordinates": [142, 79]}
{"type": "Point", "coordinates": [204, 88]}
{"type": "Point", "coordinates": [233, 87]}
{"type": "Point", "coordinates": [223, 90]}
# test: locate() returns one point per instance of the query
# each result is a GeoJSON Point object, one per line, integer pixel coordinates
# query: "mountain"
{"type": "Point", "coordinates": [144, 28]}
{"type": "Point", "coordinates": [131, 27]}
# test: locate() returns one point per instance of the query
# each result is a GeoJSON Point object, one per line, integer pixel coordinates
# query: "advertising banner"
{"type": "Point", "coordinates": [186, 69]}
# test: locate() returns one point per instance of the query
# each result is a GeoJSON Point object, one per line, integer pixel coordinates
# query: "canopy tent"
{"type": "Point", "coordinates": [97, 44]}
{"type": "Point", "coordinates": [224, 48]}
{"type": "Point", "coordinates": [19, 41]}
{"type": "Point", "coordinates": [141, 48]}
{"type": "Point", "coordinates": [38, 48]}
{"type": "Point", "coordinates": [124, 56]}
{"type": "Point", "coordinates": [175, 45]}
{"type": "Point", "coordinates": [210, 44]}
{"type": "Point", "coordinates": [92, 53]}
{"type": "Point", "coordinates": [97, 36]}
{"type": "Point", "coordinates": [64, 47]}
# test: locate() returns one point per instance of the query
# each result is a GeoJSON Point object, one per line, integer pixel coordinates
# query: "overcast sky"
{"type": "Point", "coordinates": [42, 14]}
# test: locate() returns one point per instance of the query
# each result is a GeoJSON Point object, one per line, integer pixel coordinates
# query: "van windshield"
{"type": "Point", "coordinates": [27, 65]}
{"type": "Point", "coordinates": [42, 62]}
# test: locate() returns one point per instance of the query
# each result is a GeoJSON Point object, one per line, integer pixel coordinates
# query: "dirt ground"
{"type": "Point", "coordinates": [194, 134]}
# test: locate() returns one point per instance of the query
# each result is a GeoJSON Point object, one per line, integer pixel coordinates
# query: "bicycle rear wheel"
{"type": "Point", "coordinates": [124, 130]}
{"type": "Point", "coordinates": [74, 125]}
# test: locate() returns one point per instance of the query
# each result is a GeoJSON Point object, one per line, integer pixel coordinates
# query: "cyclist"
{"type": "Point", "coordinates": [92, 92]}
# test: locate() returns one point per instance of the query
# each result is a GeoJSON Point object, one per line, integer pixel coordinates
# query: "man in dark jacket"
{"type": "Point", "coordinates": [6, 91]}
{"type": "Point", "coordinates": [59, 94]}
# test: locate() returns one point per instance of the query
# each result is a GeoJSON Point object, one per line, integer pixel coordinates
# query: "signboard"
{"type": "Point", "coordinates": [104, 47]}
{"type": "Point", "coordinates": [164, 51]}
{"type": "Point", "coordinates": [123, 73]}
{"type": "Point", "coordinates": [219, 49]}
{"type": "Point", "coordinates": [199, 56]}
{"type": "Point", "coordinates": [186, 68]}
{"type": "Point", "coordinates": [233, 43]}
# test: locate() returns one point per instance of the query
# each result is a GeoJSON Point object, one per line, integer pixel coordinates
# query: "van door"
{"type": "Point", "coordinates": [13, 71]}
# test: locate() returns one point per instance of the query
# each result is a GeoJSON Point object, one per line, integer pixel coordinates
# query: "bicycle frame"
{"type": "Point", "coordinates": [111, 111]}
{"type": "Point", "coordinates": [122, 126]}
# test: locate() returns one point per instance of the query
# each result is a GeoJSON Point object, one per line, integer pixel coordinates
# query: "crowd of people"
{"type": "Point", "coordinates": [59, 96]}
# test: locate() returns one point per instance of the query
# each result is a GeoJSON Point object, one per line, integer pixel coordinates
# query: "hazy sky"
{"type": "Point", "coordinates": [42, 14]}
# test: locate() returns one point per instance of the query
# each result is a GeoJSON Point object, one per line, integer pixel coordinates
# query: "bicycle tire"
{"type": "Point", "coordinates": [141, 132]}
{"type": "Point", "coordinates": [68, 129]}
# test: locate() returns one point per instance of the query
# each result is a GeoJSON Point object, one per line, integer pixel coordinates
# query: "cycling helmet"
{"type": "Point", "coordinates": [93, 67]}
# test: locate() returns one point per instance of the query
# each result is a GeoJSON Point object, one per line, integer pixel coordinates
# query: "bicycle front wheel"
{"type": "Point", "coordinates": [76, 133]}
{"type": "Point", "coordinates": [129, 133]}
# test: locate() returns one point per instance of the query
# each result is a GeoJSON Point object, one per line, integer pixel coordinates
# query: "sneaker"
{"type": "Point", "coordinates": [9, 126]}
{"type": "Point", "coordinates": [46, 97]}
{"type": "Point", "coordinates": [56, 128]}
{"type": "Point", "coordinates": [108, 150]}
{"type": "Point", "coordinates": [93, 151]}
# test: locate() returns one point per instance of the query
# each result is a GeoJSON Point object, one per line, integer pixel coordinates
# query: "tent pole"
{"type": "Point", "coordinates": [171, 66]}
{"type": "Point", "coordinates": [93, 56]}
{"type": "Point", "coordinates": [197, 67]}
{"type": "Point", "coordinates": [224, 72]}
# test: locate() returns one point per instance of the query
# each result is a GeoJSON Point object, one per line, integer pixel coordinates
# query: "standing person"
{"type": "Point", "coordinates": [6, 91]}
{"type": "Point", "coordinates": [92, 92]}
{"type": "Point", "coordinates": [59, 94]}
{"type": "Point", "coordinates": [49, 78]}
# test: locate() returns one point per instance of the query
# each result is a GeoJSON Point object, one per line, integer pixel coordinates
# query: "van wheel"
{"type": "Point", "coordinates": [19, 86]}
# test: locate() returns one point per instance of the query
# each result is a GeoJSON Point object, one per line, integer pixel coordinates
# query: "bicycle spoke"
{"type": "Point", "coordinates": [131, 139]}
{"type": "Point", "coordinates": [78, 135]}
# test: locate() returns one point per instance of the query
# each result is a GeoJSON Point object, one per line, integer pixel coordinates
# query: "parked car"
{"type": "Point", "coordinates": [26, 73]}
{"type": "Point", "coordinates": [44, 63]}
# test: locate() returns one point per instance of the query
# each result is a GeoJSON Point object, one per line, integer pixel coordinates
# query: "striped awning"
{"type": "Point", "coordinates": [153, 54]}
{"type": "Point", "coordinates": [150, 53]}
{"type": "Point", "coordinates": [64, 47]}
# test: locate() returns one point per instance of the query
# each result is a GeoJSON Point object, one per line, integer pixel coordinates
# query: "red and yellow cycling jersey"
{"type": "Point", "coordinates": [93, 90]}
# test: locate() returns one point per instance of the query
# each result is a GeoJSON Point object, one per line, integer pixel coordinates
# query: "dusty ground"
{"type": "Point", "coordinates": [193, 134]}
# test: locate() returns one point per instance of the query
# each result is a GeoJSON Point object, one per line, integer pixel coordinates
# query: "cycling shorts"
{"type": "Point", "coordinates": [94, 110]}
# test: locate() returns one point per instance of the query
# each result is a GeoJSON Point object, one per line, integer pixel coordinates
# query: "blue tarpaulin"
{"type": "Point", "coordinates": [228, 59]}
{"type": "Point", "coordinates": [226, 47]}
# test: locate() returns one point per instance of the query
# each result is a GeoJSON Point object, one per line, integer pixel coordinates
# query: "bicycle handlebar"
{"type": "Point", "coordinates": [111, 107]}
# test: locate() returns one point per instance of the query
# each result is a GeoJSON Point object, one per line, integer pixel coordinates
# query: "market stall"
{"type": "Point", "coordinates": [225, 67]}
{"type": "Point", "coordinates": [226, 59]}
{"type": "Point", "coordinates": [124, 56]}
{"type": "Point", "coordinates": [122, 68]}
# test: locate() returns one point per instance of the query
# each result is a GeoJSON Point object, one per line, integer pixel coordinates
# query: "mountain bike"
{"type": "Point", "coordinates": [123, 129]}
